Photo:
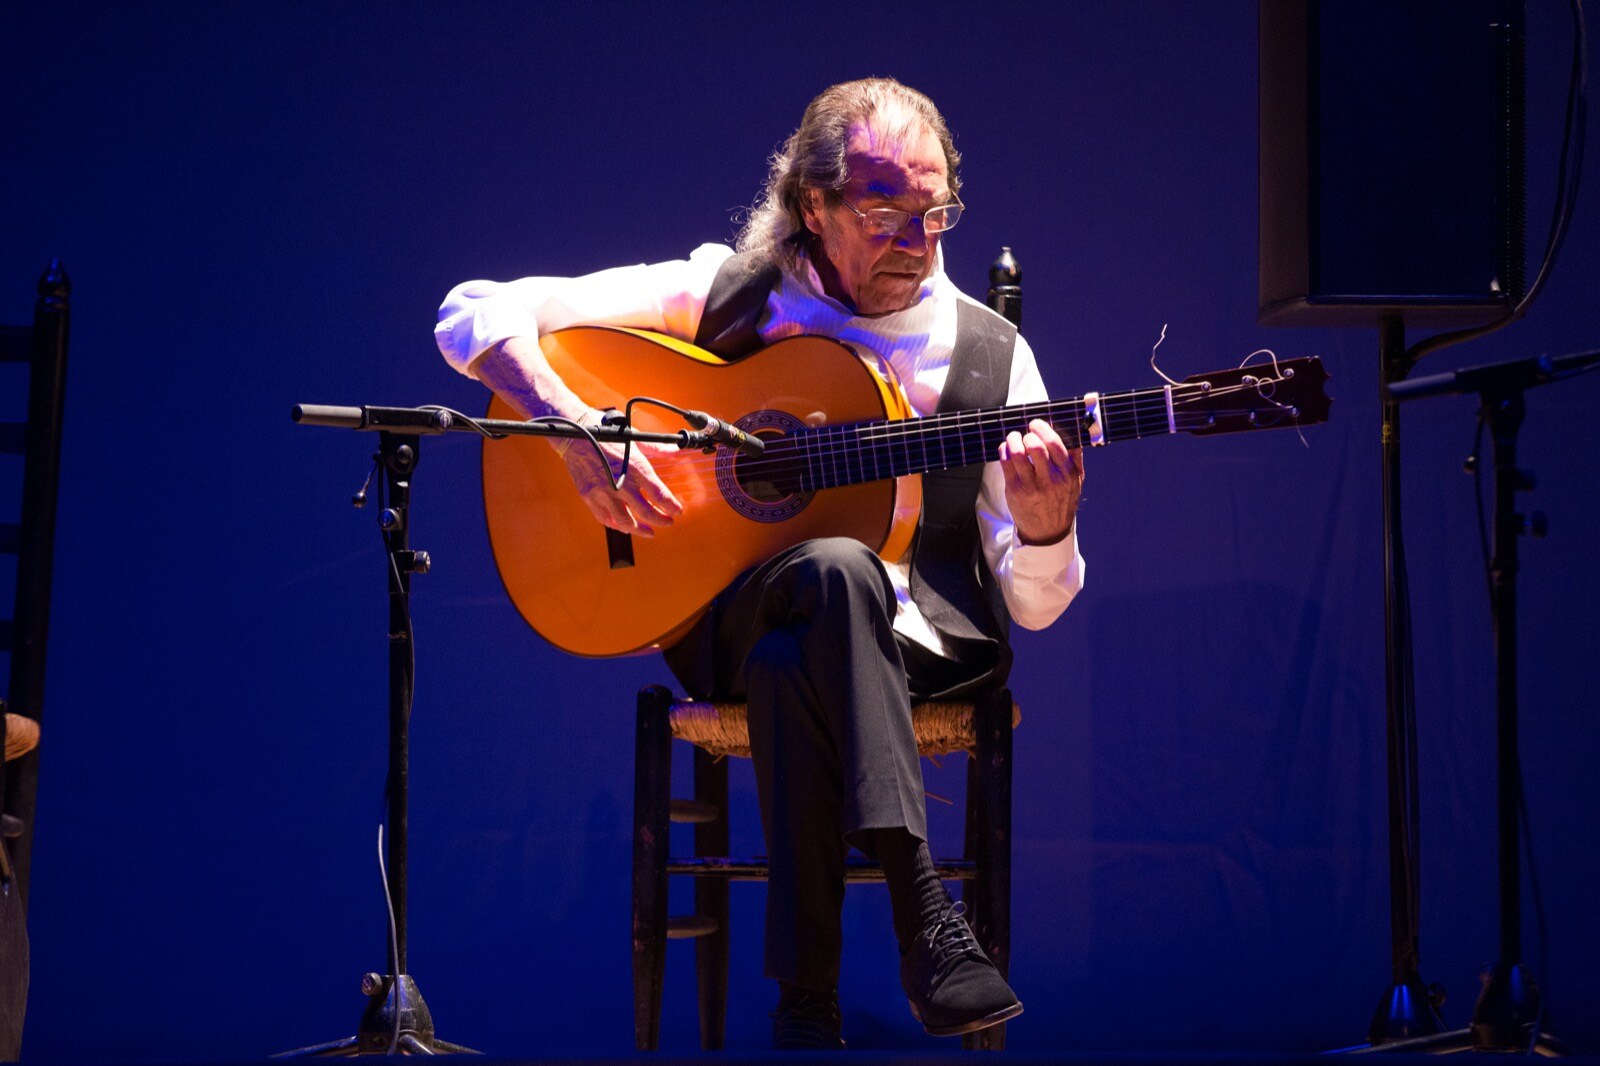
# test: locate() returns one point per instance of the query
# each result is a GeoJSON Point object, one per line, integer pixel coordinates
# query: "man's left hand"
{"type": "Point", "coordinates": [1044, 481]}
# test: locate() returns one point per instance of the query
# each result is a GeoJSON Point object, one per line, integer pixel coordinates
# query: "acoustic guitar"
{"type": "Point", "coordinates": [843, 455]}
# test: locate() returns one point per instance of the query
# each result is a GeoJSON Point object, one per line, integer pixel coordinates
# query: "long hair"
{"type": "Point", "coordinates": [814, 155]}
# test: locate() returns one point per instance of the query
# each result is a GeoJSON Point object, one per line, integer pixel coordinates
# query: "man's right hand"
{"type": "Point", "coordinates": [518, 372]}
{"type": "Point", "coordinates": [643, 504]}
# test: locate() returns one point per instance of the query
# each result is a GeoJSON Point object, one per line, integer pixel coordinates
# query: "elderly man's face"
{"type": "Point", "coordinates": [879, 275]}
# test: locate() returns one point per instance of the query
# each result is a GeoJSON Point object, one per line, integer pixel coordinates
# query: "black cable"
{"type": "Point", "coordinates": [466, 420]}
{"type": "Point", "coordinates": [1572, 142]}
{"type": "Point", "coordinates": [1539, 916]}
{"type": "Point", "coordinates": [558, 420]}
{"type": "Point", "coordinates": [394, 945]}
{"type": "Point", "coordinates": [544, 420]}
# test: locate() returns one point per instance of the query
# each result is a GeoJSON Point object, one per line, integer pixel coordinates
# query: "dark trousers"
{"type": "Point", "coordinates": [807, 640]}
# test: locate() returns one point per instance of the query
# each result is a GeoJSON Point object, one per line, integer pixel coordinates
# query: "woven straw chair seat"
{"type": "Point", "coordinates": [22, 736]}
{"type": "Point", "coordinates": [941, 726]}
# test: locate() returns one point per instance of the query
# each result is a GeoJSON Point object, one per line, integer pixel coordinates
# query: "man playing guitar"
{"type": "Point", "coordinates": [827, 643]}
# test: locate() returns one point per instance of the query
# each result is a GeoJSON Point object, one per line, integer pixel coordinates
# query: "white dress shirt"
{"type": "Point", "coordinates": [1037, 581]}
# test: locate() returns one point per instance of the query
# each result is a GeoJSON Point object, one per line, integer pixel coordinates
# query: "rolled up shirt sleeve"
{"type": "Point", "coordinates": [1037, 580]}
{"type": "Point", "coordinates": [664, 297]}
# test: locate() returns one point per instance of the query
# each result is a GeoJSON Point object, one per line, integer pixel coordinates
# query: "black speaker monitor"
{"type": "Point", "coordinates": [1391, 167]}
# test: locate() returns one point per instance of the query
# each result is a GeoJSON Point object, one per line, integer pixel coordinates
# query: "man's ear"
{"type": "Point", "coordinates": [811, 208]}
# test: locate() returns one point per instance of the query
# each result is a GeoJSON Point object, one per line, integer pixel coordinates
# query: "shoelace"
{"type": "Point", "coordinates": [951, 937]}
{"type": "Point", "coordinates": [807, 1018]}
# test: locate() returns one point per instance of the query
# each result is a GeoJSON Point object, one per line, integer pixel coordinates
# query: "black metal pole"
{"type": "Point", "coordinates": [1507, 1014]}
{"type": "Point", "coordinates": [399, 457]}
{"type": "Point", "coordinates": [1408, 1008]}
{"type": "Point", "coordinates": [1504, 423]}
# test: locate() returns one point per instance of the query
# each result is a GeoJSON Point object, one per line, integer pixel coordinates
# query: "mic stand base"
{"type": "Point", "coordinates": [1505, 1020]}
{"type": "Point", "coordinates": [1409, 1010]}
{"type": "Point", "coordinates": [378, 1033]}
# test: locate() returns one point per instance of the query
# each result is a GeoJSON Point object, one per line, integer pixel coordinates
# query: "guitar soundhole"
{"type": "Point", "coordinates": [759, 479]}
{"type": "Point", "coordinates": [770, 488]}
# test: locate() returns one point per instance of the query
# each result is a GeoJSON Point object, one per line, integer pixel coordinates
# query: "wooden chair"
{"type": "Point", "coordinates": [718, 731]}
{"type": "Point", "coordinates": [31, 538]}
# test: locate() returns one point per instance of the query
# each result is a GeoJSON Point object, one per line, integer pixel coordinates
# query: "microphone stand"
{"type": "Point", "coordinates": [396, 1020]}
{"type": "Point", "coordinates": [1508, 1014]}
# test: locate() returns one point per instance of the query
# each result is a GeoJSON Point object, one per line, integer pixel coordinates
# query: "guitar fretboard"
{"type": "Point", "coordinates": [855, 452]}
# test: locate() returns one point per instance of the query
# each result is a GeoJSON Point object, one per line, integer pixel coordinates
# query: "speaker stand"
{"type": "Point", "coordinates": [1409, 1008]}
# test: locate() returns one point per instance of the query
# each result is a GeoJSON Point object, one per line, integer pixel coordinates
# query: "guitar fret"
{"type": "Point", "coordinates": [963, 439]}
{"type": "Point", "coordinates": [974, 439]}
{"type": "Point", "coordinates": [949, 440]}
{"type": "Point", "coordinates": [1068, 418]}
{"type": "Point", "coordinates": [877, 447]}
{"type": "Point", "coordinates": [832, 442]}
{"type": "Point", "coordinates": [1127, 415]}
{"type": "Point", "coordinates": [1155, 408]}
{"type": "Point", "coordinates": [970, 436]}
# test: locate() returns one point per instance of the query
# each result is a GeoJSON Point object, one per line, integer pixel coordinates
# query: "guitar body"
{"type": "Point", "coordinates": [578, 589]}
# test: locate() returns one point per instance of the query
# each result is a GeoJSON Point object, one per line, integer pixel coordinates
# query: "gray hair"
{"type": "Point", "coordinates": [814, 156]}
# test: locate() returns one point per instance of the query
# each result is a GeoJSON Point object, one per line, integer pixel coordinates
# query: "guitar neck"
{"type": "Point", "coordinates": [1286, 393]}
{"type": "Point", "coordinates": [856, 452]}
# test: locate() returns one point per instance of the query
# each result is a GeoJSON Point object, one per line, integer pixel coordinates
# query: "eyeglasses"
{"type": "Point", "coordinates": [891, 221]}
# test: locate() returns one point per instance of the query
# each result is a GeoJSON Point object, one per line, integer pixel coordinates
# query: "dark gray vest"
{"type": "Point", "coordinates": [950, 581]}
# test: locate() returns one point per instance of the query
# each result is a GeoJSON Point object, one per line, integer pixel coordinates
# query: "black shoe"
{"type": "Point", "coordinates": [806, 1020]}
{"type": "Point", "coordinates": [952, 985]}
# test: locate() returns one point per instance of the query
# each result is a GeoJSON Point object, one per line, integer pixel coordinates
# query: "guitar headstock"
{"type": "Point", "coordinates": [1273, 395]}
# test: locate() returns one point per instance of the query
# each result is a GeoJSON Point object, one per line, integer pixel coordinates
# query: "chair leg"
{"type": "Point", "coordinates": [652, 799]}
{"type": "Point", "coordinates": [972, 886]}
{"type": "Point", "coordinates": [711, 901]}
{"type": "Point", "coordinates": [989, 804]}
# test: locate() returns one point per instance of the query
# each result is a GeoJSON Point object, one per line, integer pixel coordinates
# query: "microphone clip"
{"type": "Point", "coordinates": [714, 431]}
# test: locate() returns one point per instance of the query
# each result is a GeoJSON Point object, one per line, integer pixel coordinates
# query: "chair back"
{"type": "Point", "coordinates": [31, 538]}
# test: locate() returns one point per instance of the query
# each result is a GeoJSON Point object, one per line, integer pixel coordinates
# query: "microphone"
{"type": "Point", "coordinates": [725, 433]}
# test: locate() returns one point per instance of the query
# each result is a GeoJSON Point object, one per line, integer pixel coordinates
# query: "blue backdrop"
{"type": "Point", "coordinates": [263, 204]}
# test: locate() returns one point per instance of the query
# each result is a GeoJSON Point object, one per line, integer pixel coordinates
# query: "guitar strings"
{"type": "Point", "coordinates": [856, 437]}
{"type": "Point", "coordinates": [827, 443]}
{"type": "Point", "coordinates": [831, 450]}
